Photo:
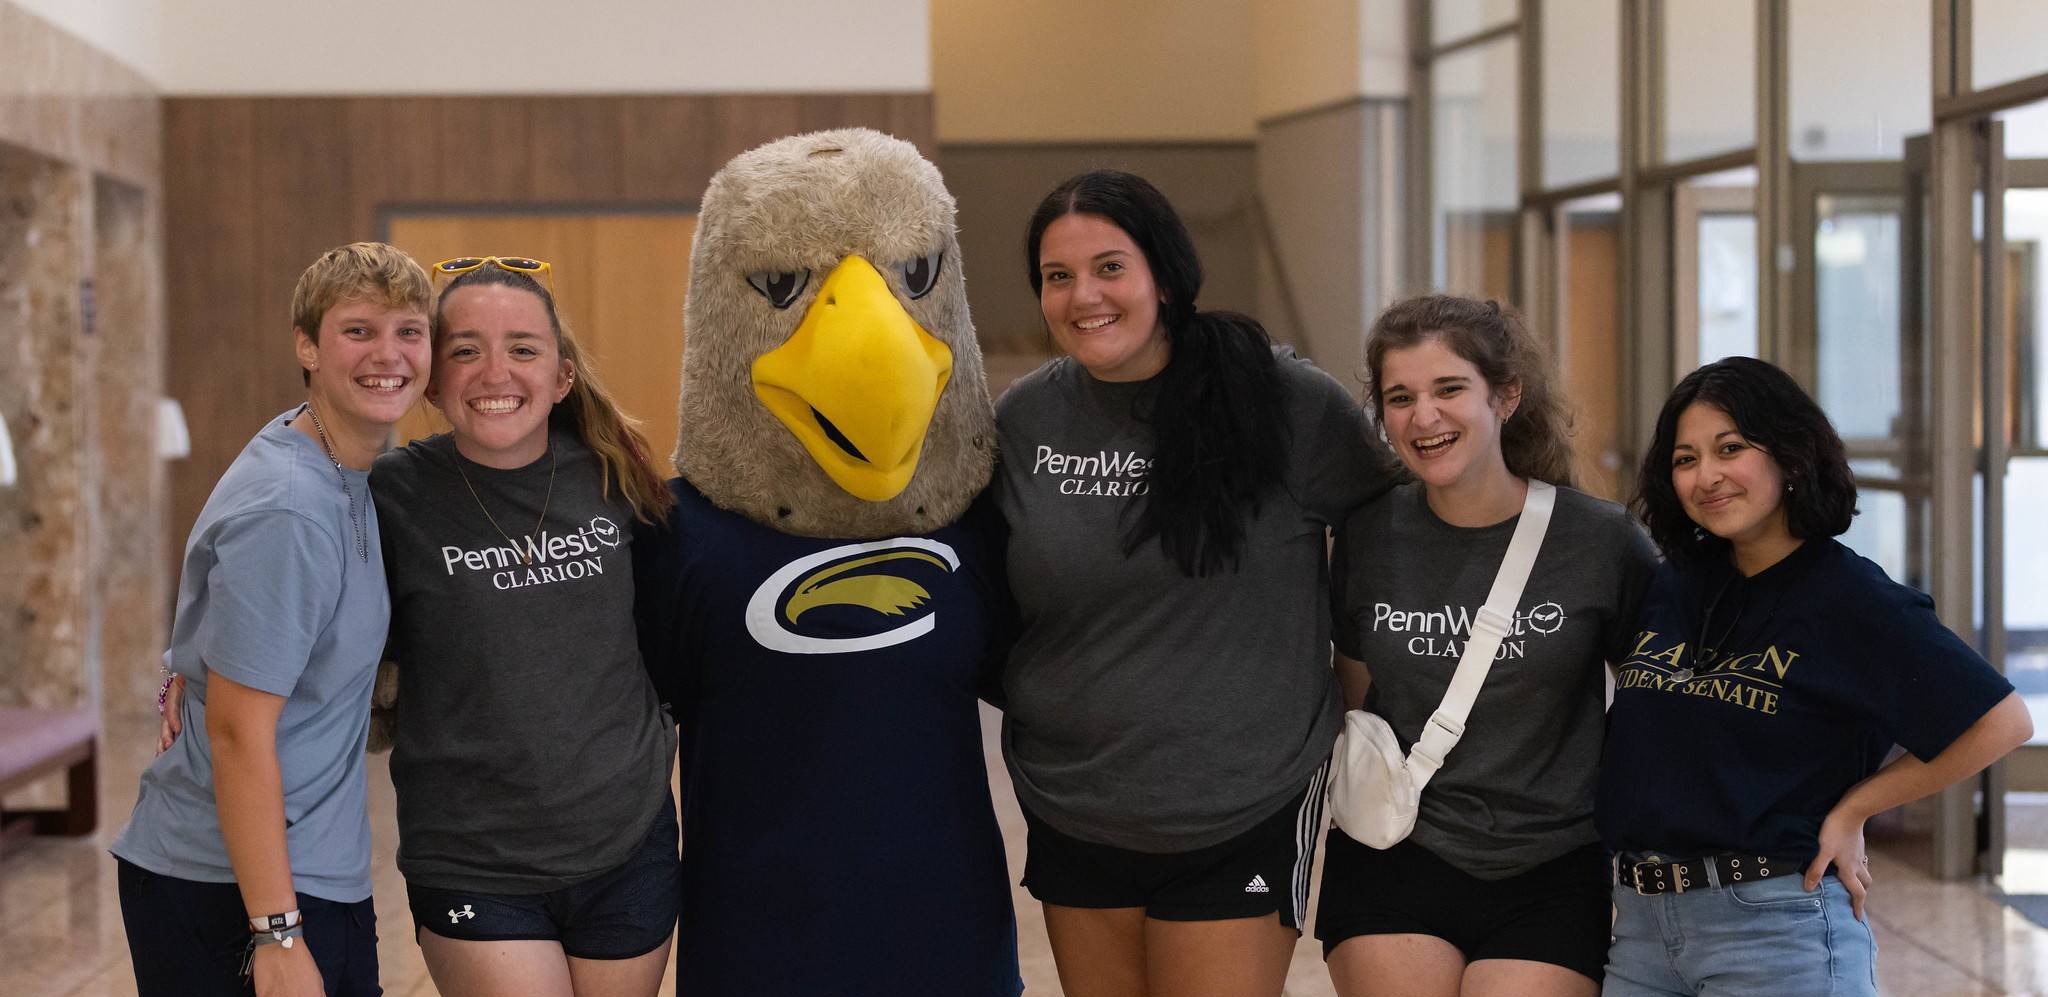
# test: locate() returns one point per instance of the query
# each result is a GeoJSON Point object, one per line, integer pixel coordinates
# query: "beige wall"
{"type": "Point", "coordinates": [1313, 53]}
{"type": "Point", "coordinates": [1087, 71]}
{"type": "Point", "coordinates": [220, 47]}
{"type": "Point", "coordinates": [1308, 54]}
{"type": "Point", "coordinates": [130, 31]}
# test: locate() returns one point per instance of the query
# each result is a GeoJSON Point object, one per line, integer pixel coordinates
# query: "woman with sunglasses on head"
{"type": "Point", "coordinates": [537, 836]}
{"type": "Point", "coordinates": [1170, 704]}
{"type": "Point", "coordinates": [1501, 887]}
{"type": "Point", "coordinates": [1772, 672]}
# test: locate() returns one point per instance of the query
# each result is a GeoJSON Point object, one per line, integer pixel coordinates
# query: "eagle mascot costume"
{"type": "Point", "coordinates": [820, 606]}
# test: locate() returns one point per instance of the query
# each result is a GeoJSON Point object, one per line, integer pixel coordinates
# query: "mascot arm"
{"type": "Point", "coordinates": [657, 594]}
{"type": "Point", "coordinates": [992, 537]}
{"type": "Point", "coordinates": [383, 704]}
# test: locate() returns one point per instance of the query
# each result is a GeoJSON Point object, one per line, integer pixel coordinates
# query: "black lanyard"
{"type": "Point", "coordinates": [1702, 655]}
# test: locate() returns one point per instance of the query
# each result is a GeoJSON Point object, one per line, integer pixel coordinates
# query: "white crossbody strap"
{"type": "Point", "coordinates": [1492, 624]}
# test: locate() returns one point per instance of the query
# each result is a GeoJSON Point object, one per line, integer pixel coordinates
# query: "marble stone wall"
{"type": "Point", "coordinates": [125, 354]}
{"type": "Point", "coordinates": [83, 589]}
{"type": "Point", "coordinates": [42, 518]}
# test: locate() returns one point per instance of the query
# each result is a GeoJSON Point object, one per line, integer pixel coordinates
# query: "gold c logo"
{"type": "Point", "coordinates": [885, 594]}
{"type": "Point", "coordinates": [823, 585]}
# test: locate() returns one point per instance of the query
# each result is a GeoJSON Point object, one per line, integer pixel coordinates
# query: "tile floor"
{"type": "Point", "coordinates": [61, 932]}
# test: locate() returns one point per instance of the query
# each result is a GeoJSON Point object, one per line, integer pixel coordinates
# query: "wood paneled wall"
{"type": "Point", "coordinates": [256, 188]}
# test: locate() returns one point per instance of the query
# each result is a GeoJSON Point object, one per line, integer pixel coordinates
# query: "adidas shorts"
{"type": "Point", "coordinates": [622, 914]}
{"type": "Point", "coordinates": [1262, 871]}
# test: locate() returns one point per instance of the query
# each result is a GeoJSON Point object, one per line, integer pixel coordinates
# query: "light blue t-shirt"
{"type": "Point", "coordinates": [276, 595]}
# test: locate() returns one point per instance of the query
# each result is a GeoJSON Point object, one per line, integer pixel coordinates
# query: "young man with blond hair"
{"type": "Point", "coordinates": [246, 864]}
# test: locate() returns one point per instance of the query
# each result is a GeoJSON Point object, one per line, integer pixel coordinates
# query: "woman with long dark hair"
{"type": "Point", "coordinates": [1501, 888]}
{"type": "Point", "coordinates": [1772, 672]}
{"type": "Point", "coordinates": [1168, 484]}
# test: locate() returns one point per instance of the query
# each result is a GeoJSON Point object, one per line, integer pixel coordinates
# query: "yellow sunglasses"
{"type": "Point", "coordinates": [518, 264]}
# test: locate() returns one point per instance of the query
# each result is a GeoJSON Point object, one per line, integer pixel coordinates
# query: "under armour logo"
{"type": "Point", "coordinates": [456, 916]}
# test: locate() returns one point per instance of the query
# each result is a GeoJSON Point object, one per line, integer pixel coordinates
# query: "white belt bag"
{"type": "Point", "coordinates": [1374, 790]}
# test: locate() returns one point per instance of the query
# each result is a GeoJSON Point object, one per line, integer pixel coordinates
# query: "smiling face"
{"type": "Point", "coordinates": [1728, 485]}
{"type": "Point", "coordinates": [1099, 299]}
{"type": "Point", "coordinates": [367, 366]}
{"type": "Point", "coordinates": [498, 372]}
{"type": "Point", "coordinates": [1441, 416]}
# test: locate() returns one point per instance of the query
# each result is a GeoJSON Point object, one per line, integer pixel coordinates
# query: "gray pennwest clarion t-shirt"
{"type": "Point", "coordinates": [528, 749]}
{"type": "Point", "coordinates": [1147, 710]}
{"type": "Point", "coordinates": [1518, 789]}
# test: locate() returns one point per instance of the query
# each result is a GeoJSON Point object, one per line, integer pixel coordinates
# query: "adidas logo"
{"type": "Point", "coordinates": [1257, 885]}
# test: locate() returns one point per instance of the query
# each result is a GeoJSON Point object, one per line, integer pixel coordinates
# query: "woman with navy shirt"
{"type": "Point", "coordinates": [1771, 674]}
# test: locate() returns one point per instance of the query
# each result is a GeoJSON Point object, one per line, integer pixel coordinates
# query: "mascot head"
{"type": "Point", "coordinates": [832, 386]}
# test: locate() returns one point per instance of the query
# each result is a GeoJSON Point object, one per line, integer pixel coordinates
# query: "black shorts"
{"type": "Point", "coordinates": [1262, 871]}
{"type": "Point", "coordinates": [627, 912]}
{"type": "Point", "coordinates": [1559, 912]}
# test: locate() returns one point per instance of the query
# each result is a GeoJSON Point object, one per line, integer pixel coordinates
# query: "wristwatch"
{"type": "Point", "coordinates": [274, 923]}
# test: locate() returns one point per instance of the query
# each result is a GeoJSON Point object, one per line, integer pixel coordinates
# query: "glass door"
{"type": "Point", "coordinates": [1858, 341]}
{"type": "Point", "coordinates": [2010, 484]}
{"type": "Point", "coordinates": [1714, 269]}
{"type": "Point", "coordinates": [2014, 388]}
{"type": "Point", "coordinates": [2014, 485]}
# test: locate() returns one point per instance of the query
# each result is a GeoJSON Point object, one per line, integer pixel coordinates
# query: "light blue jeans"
{"type": "Point", "coordinates": [1764, 938]}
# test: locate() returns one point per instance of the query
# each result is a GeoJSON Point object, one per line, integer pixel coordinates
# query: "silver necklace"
{"type": "Point", "coordinates": [525, 553]}
{"type": "Point", "coordinates": [362, 541]}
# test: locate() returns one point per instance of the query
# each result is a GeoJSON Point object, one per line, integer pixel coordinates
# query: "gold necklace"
{"type": "Point", "coordinates": [526, 553]}
{"type": "Point", "coordinates": [362, 540]}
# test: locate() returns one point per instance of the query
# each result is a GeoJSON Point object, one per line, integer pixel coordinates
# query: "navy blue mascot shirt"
{"type": "Point", "coordinates": [1747, 707]}
{"type": "Point", "coordinates": [838, 835]}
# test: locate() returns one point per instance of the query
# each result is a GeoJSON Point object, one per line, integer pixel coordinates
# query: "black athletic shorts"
{"type": "Point", "coordinates": [1262, 871]}
{"type": "Point", "coordinates": [627, 912]}
{"type": "Point", "coordinates": [1559, 912]}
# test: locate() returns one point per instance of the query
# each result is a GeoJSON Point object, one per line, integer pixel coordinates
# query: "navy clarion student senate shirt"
{"type": "Point", "coordinates": [1740, 732]}
{"type": "Point", "coordinates": [838, 833]}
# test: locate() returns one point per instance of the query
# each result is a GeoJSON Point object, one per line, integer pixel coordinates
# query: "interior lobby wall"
{"type": "Point", "coordinates": [262, 47]}
{"type": "Point", "coordinates": [256, 188]}
{"type": "Point", "coordinates": [1074, 71]}
{"type": "Point", "coordinates": [1329, 182]}
{"type": "Point", "coordinates": [42, 631]}
{"type": "Point", "coordinates": [1029, 94]}
{"type": "Point", "coordinates": [128, 31]}
{"type": "Point", "coordinates": [998, 186]}
{"type": "Point", "coordinates": [1275, 126]}
{"type": "Point", "coordinates": [83, 585]}
{"type": "Point", "coordinates": [1331, 83]}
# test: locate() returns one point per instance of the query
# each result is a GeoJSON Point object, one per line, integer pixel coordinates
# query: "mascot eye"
{"type": "Point", "coordinates": [922, 274]}
{"type": "Point", "coordinates": [780, 287]}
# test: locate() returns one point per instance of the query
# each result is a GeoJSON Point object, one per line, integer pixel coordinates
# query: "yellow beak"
{"type": "Point", "coordinates": [857, 383]}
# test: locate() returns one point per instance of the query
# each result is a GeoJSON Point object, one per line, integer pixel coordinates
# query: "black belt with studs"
{"type": "Point", "coordinates": [1655, 875]}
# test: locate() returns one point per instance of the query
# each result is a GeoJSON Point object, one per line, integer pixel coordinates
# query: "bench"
{"type": "Point", "coordinates": [35, 743]}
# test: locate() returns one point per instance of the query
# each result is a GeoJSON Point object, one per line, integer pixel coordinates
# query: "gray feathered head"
{"type": "Point", "coordinates": [832, 385]}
